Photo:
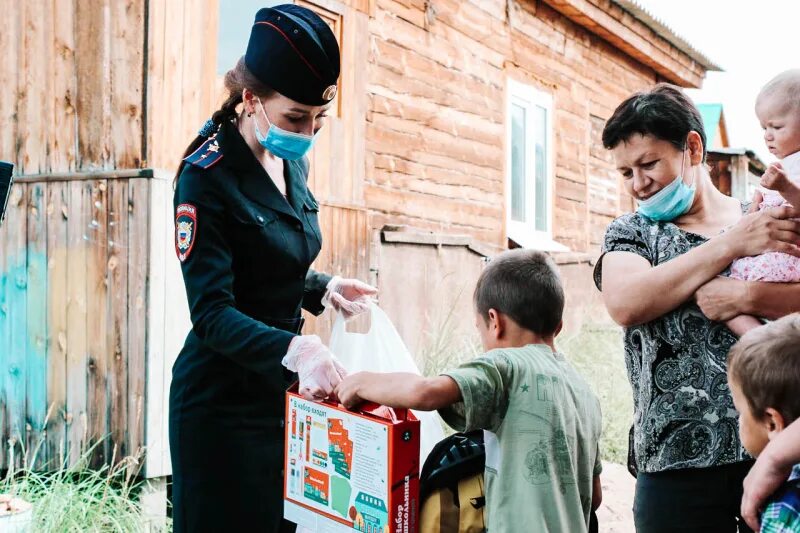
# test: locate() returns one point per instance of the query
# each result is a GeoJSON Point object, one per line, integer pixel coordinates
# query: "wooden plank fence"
{"type": "Point", "coordinates": [74, 311]}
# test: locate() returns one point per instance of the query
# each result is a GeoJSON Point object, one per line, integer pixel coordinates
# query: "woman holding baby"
{"type": "Point", "coordinates": [661, 274]}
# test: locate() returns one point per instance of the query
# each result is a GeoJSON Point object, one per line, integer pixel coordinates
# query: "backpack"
{"type": "Point", "coordinates": [451, 485]}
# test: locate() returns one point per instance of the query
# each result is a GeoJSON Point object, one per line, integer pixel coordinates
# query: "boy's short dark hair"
{"type": "Point", "coordinates": [664, 112]}
{"type": "Point", "coordinates": [765, 364]}
{"type": "Point", "coordinates": [524, 285]}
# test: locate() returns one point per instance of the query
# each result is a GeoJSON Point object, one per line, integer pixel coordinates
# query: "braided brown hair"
{"type": "Point", "coordinates": [236, 80]}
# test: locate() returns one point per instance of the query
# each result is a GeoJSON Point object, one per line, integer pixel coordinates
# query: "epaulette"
{"type": "Point", "coordinates": [207, 155]}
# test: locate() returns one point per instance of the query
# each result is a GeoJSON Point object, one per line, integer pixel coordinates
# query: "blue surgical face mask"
{"type": "Point", "coordinates": [282, 143]}
{"type": "Point", "coordinates": [671, 202]}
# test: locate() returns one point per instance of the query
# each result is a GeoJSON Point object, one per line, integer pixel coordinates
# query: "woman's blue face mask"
{"type": "Point", "coordinates": [672, 201]}
{"type": "Point", "coordinates": [282, 143]}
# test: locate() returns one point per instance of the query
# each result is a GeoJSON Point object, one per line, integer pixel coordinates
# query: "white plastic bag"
{"type": "Point", "coordinates": [382, 350]}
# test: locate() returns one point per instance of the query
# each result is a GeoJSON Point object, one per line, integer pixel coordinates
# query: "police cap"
{"type": "Point", "coordinates": [293, 51]}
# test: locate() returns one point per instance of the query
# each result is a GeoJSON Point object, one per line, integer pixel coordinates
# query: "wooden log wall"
{"type": "Point", "coordinates": [435, 136]}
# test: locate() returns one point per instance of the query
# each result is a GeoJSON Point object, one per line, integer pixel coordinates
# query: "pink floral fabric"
{"type": "Point", "coordinates": [771, 266]}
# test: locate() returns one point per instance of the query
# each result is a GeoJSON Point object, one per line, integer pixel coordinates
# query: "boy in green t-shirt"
{"type": "Point", "coordinates": [541, 421]}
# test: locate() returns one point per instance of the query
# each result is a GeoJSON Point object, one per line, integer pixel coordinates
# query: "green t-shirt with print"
{"type": "Point", "coordinates": [541, 425]}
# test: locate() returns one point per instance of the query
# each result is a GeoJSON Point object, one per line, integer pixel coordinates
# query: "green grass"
{"type": "Point", "coordinates": [76, 498]}
{"type": "Point", "coordinates": [445, 346]}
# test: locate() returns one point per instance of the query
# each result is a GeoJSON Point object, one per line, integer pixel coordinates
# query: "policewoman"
{"type": "Point", "coordinates": [246, 232]}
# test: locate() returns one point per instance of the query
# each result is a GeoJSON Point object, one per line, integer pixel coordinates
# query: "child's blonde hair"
{"type": "Point", "coordinates": [785, 85]}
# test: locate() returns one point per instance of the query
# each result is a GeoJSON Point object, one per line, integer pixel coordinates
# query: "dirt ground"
{"type": "Point", "coordinates": [615, 514]}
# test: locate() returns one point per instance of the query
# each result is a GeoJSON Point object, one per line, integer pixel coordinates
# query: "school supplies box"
{"type": "Point", "coordinates": [346, 470]}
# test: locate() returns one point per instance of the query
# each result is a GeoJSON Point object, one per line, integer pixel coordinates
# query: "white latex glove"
{"type": "Point", "coordinates": [319, 370]}
{"type": "Point", "coordinates": [350, 297]}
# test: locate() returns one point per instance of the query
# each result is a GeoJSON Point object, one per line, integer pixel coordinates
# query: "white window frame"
{"type": "Point", "coordinates": [525, 233]}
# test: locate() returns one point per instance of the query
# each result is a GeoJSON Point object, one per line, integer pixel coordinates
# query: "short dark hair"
{"type": "Point", "coordinates": [765, 364]}
{"type": "Point", "coordinates": [524, 285]}
{"type": "Point", "coordinates": [664, 112]}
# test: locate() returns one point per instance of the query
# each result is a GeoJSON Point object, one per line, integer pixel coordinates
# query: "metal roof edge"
{"type": "Point", "coordinates": [732, 151]}
{"type": "Point", "coordinates": [666, 33]}
{"type": "Point", "coordinates": [751, 155]}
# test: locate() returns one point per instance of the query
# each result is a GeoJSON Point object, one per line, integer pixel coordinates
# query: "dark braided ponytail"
{"type": "Point", "coordinates": [237, 80]}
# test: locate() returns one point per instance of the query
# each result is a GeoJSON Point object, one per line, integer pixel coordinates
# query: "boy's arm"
{"type": "Point", "coordinates": [597, 493]}
{"type": "Point", "coordinates": [597, 489]}
{"type": "Point", "coordinates": [401, 390]}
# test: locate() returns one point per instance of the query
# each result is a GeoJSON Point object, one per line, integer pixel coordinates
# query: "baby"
{"type": "Point", "coordinates": [778, 110]}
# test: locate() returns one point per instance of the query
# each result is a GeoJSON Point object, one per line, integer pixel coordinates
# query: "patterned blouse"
{"type": "Point", "coordinates": [683, 411]}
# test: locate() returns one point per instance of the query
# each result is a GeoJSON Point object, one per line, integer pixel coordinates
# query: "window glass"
{"type": "Point", "coordinates": [518, 163]}
{"type": "Point", "coordinates": [539, 126]}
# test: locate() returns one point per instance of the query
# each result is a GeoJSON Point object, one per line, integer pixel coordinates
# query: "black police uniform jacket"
{"type": "Point", "coordinates": [245, 253]}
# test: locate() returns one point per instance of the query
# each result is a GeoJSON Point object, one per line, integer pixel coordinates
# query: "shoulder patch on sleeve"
{"type": "Point", "coordinates": [207, 155]}
{"type": "Point", "coordinates": [185, 230]}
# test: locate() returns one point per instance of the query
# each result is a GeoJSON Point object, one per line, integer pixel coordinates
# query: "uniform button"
{"type": "Point", "coordinates": [282, 422]}
{"type": "Point", "coordinates": [298, 226]}
{"type": "Point", "coordinates": [260, 219]}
